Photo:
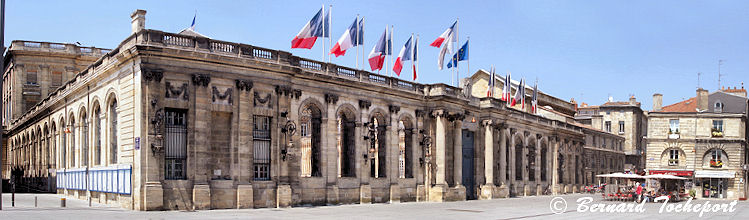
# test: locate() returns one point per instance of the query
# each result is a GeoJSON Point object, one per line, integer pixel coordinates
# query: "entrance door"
{"type": "Point", "coordinates": [468, 175]}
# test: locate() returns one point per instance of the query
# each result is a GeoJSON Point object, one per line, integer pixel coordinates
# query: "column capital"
{"type": "Point", "coordinates": [487, 123]}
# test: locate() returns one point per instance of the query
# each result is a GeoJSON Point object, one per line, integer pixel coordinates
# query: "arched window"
{"type": "Point", "coordinates": [97, 136]}
{"type": "Point", "coordinates": [715, 158]}
{"type": "Point", "coordinates": [84, 139]}
{"type": "Point", "coordinates": [378, 167]}
{"type": "Point", "coordinates": [53, 146]}
{"type": "Point", "coordinates": [113, 132]}
{"type": "Point", "coordinates": [718, 106]}
{"type": "Point", "coordinates": [71, 132]}
{"type": "Point", "coordinates": [346, 145]}
{"type": "Point", "coordinates": [311, 126]}
{"type": "Point", "coordinates": [405, 149]}
{"type": "Point", "coordinates": [63, 145]}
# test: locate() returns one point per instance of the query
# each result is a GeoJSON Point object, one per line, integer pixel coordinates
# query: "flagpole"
{"type": "Point", "coordinates": [457, 38]}
{"type": "Point", "coordinates": [323, 32]}
{"type": "Point", "coordinates": [356, 40]}
{"type": "Point", "coordinates": [330, 27]}
{"type": "Point", "coordinates": [387, 37]}
{"type": "Point", "coordinates": [390, 50]}
{"type": "Point", "coordinates": [415, 60]}
{"type": "Point", "coordinates": [468, 61]}
{"type": "Point", "coordinates": [362, 45]}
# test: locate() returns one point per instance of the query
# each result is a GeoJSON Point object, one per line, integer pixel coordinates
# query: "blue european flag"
{"type": "Point", "coordinates": [461, 55]}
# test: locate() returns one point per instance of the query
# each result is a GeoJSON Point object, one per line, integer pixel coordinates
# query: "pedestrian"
{"type": "Point", "coordinates": [638, 192]}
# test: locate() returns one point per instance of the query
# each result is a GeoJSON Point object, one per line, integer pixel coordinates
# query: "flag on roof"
{"type": "Point", "coordinates": [308, 35]}
{"type": "Point", "coordinates": [490, 88]}
{"type": "Point", "coordinates": [519, 95]}
{"type": "Point", "coordinates": [534, 100]}
{"type": "Point", "coordinates": [379, 51]}
{"type": "Point", "coordinates": [192, 26]}
{"type": "Point", "coordinates": [507, 88]}
{"type": "Point", "coordinates": [415, 64]}
{"type": "Point", "coordinates": [445, 35]}
{"type": "Point", "coordinates": [461, 55]}
{"type": "Point", "coordinates": [347, 40]}
{"type": "Point", "coordinates": [405, 54]}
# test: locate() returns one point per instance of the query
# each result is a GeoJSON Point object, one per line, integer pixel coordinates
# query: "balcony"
{"type": "Point", "coordinates": [716, 133]}
{"type": "Point", "coordinates": [716, 163]}
{"type": "Point", "coordinates": [673, 136]}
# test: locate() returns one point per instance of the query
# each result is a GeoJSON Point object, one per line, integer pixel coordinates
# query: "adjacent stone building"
{"type": "Point", "coordinates": [182, 121]}
{"type": "Point", "coordinates": [702, 138]}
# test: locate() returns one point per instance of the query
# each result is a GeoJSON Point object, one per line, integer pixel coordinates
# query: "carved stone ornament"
{"type": "Point", "coordinates": [244, 85]}
{"type": "Point", "coordinates": [176, 93]}
{"type": "Point", "coordinates": [222, 98]}
{"type": "Point", "coordinates": [153, 75]}
{"type": "Point", "coordinates": [283, 90]}
{"type": "Point", "coordinates": [201, 79]}
{"type": "Point", "coordinates": [364, 104]}
{"type": "Point", "coordinates": [331, 98]}
{"type": "Point", "coordinates": [263, 101]}
{"type": "Point", "coordinates": [394, 109]}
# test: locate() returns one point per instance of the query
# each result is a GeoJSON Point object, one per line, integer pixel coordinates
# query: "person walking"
{"type": "Point", "coordinates": [638, 192]}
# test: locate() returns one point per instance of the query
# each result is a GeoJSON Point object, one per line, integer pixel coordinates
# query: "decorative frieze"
{"type": "Point", "coordinates": [283, 90]}
{"type": "Point", "coordinates": [419, 113]}
{"type": "Point", "coordinates": [222, 98]}
{"type": "Point", "coordinates": [201, 79]}
{"type": "Point", "coordinates": [176, 93]}
{"type": "Point", "coordinates": [296, 93]}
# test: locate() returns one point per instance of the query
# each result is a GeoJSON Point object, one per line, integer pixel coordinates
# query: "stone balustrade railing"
{"type": "Point", "coordinates": [161, 38]}
{"type": "Point", "coordinates": [58, 47]}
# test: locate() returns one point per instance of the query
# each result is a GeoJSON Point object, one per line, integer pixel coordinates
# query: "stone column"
{"type": "Point", "coordinates": [503, 162]}
{"type": "Point", "coordinates": [393, 157]}
{"type": "Point", "coordinates": [537, 167]}
{"type": "Point", "coordinates": [201, 194]}
{"type": "Point", "coordinates": [458, 153]}
{"type": "Point", "coordinates": [437, 192]}
{"type": "Point", "coordinates": [487, 190]}
{"type": "Point", "coordinates": [554, 149]}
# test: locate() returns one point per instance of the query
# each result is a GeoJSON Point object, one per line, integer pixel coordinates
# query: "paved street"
{"type": "Point", "coordinates": [515, 208]}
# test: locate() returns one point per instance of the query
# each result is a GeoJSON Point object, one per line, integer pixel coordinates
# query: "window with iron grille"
{"type": "Point", "coordinates": [261, 147]}
{"type": "Point", "coordinates": [175, 146]}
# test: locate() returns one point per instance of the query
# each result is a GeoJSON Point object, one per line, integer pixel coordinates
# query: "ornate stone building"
{"type": "Point", "coordinates": [179, 121]}
{"type": "Point", "coordinates": [702, 138]}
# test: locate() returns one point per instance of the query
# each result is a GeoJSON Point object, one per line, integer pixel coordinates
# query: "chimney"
{"type": "Point", "coordinates": [702, 99]}
{"type": "Point", "coordinates": [657, 102]}
{"type": "Point", "coordinates": [632, 100]}
{"type": "Point", "coordinates": [138, 21]}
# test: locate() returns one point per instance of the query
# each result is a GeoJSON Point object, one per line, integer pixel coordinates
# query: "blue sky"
{"type": "Point", "coordinates": [587, 50]}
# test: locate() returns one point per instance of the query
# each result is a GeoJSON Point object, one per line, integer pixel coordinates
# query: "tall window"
{"type": "Point", "coordinates": [72, 142]}
{"type": "Point", "coordinates": [97, 136]}
{"type": "Point", "coordinates": [113, 132]}
{"type": "Point", "coordinates": [674, 126]}
{"type": "Point", "coordinates": [56, 79]}
{"type": "Point", "coordinates": [378, 167]}
{"type": "Point", "coordinates": [607, 126]}
{"type": "Point", "coordinates": [673, 157]}
{"type": "Point", "coordinates": [346, 146]}
{"type": "Point", "coordinates": [84, 140]}
{"type": "Point", "coordinates": [404, 149]}
{"type": "Point", "coordinates": [716, 158]}
{"type": "Point", "coordinates": [311, 118]}
{"type": "Point", "coordinates": [531, 163]}
{"type": "Point", "coordinates": [718, 125]}
{"type": "Point", "coordinates": [518, 161]}
{"type": "Point", "coordinates": [543, 163]}
{"type": "Point", "coordinates": [261, 147]}
{"type": "Point", "coordinates": [621, 127]}
{"type": "Point", "coordinates": [175, 149]}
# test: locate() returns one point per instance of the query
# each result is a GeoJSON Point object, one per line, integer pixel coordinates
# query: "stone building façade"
{"type": "Point", "coordinates": [171, 121]}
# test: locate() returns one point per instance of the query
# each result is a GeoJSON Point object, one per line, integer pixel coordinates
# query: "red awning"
{"type": "Point", "coordinates": [673, 172]}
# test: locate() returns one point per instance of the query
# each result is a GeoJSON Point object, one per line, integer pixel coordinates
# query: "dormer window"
{"type": "Point", "coordinates": [718, 107]}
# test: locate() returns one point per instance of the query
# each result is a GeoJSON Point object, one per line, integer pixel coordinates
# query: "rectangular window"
{"type": "Point", "coordinates": [607, 126]}
{"type": "Point", "coordinates": [175, 144]}
{"type": "Point", "coordinates": [621, 127]}
{"type": "Point", "coordinates": [56, 79]}
{"type": "Point", "coordinates": [673, 159]}
{"type": "Point", "coordinates": [261, 147]}
{"type": "Point", "coordinates": [718, 125]}
{"type": "Point", "coordinates": [674, 126]}
{"type": "Point", "coordinates": [31, 77]}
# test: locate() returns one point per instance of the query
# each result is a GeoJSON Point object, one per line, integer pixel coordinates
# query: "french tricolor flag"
{"type": "Point", "coordinates": [405, 55]}
{"type": "Point", "coordinates": [519, 95]}
{"type": "Point", "coordinates": [438, 42]}
{"type": "Point", "coordinates": [308, 35]}
{"type": "Point", "coordinates": [379, 51]}
{"type": "Point", "coordinates": [348, 39]}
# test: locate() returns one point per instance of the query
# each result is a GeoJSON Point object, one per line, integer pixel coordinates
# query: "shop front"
{"type": "Point", "coordinates": [714, 183]}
